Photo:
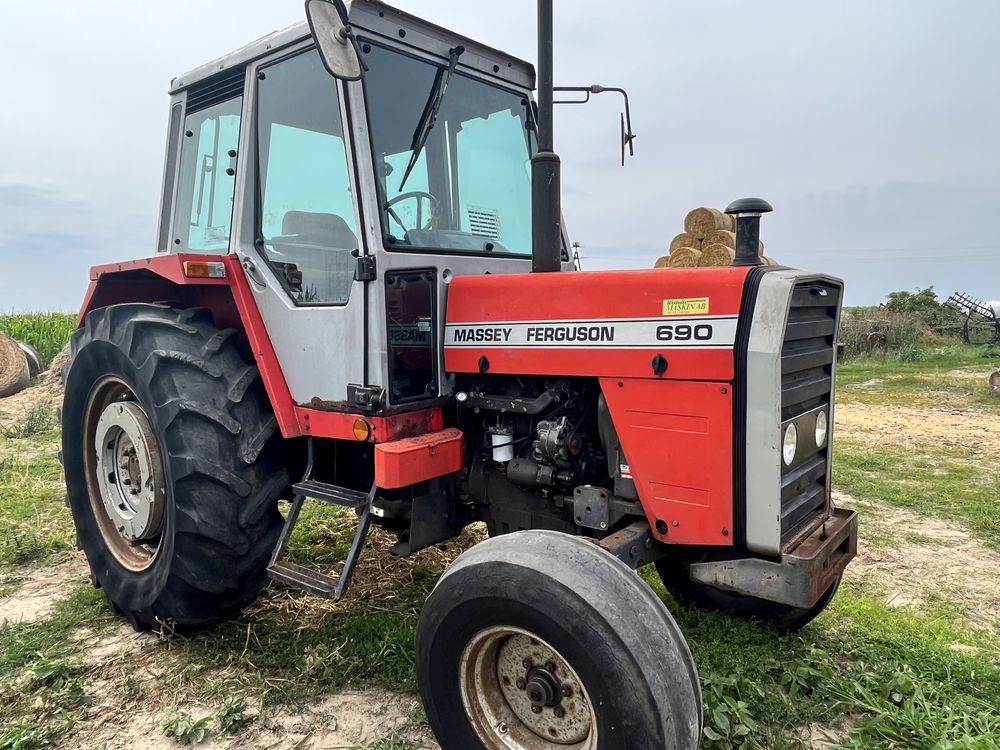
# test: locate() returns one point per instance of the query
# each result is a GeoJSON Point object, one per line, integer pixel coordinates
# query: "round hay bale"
{"type": "Point", "coordinates": [769, 261]}
{"type": "Point", "coordinates": [717, 255]}
{"type": "Point", "coordinates": [727, 238]}
{"type": "Point", "coordinates": [730, 222]}
{"type": "Point", "coordinates": [684, 240]}
{"type": "Point", "coordinates": [721, 237]}
{"type": "Point", "coordinates": [663, 262]}
{"type": "Point", "coordinates": [685, 257]}
{"type": "Point", "coordinates": [14, 373]}
{"type": "Point", "coordinates": [703, 221]}
{"type": "Point", "coordinates": [33, 357]}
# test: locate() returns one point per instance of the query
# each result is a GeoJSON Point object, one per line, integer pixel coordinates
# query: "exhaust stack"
{"type": "Point", "coordinates": [748, 212]}
{"type": "Point", "coordinates": [546, 201]}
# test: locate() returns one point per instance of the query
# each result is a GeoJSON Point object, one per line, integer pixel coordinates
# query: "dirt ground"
{"type": "Point", "coordinates": [932, 558]}
{"type": "Point", "coordinates": [879, 424]}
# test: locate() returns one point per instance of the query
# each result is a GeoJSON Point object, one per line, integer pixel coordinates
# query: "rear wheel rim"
{"type": "Point", "coordinates": [521, 694]}
{"type": "Point", "coordinates": [124, 470]}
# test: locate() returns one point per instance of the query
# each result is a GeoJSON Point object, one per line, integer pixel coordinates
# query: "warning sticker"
{"type": "Point", "coordinates": [692, 306]}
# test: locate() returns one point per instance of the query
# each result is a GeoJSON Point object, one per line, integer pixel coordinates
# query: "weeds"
{"type": "Point", "coordinates": [183, 727]}
{"type": "Point", "coordinates": [40, 420]}
{"type": "Point", "coordinates": [232, 715]}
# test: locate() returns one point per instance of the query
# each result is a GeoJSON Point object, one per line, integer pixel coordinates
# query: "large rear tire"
{"type": "Point", "coordinates": [542, 641]}
{"type": "Point", "coordinates": [781, 617]}
{"type": "Point", "coordinates": [170, 464]}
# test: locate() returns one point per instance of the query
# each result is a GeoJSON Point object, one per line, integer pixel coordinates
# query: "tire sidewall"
{"type": "Point", "coordinates": [128, 589]}
{"type": "Point", "coordinates": [619, 694]}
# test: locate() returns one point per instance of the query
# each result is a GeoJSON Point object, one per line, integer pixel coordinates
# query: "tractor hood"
{"type": "Point", "coordinates": [678, 324]}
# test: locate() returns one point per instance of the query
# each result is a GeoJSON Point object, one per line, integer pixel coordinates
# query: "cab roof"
{"type": "Point", "coordinates": [375, 19]}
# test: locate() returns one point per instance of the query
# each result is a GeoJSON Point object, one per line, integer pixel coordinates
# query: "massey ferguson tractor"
{"type": "Point", "coordinates": [362, 282]}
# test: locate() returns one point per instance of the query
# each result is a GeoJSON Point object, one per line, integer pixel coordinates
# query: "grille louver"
{"type": "Point", "coordinates": [807, 359]}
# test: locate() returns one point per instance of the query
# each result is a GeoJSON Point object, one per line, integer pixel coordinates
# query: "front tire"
{"type": "Point", "coordinates": [170, 465]}
{"type": "Point", "coordinates": [781, 617]}
{"type": "Point", "coordinates": [542, 641]}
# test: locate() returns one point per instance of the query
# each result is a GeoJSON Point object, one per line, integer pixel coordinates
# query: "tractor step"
{"type": "Point", "coordinates": [312, 581]}
{"type": "Point", "coordinates": [330, 493]}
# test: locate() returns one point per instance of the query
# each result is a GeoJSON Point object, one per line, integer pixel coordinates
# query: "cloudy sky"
{"type": "Point", "coordinates": [872, 126]}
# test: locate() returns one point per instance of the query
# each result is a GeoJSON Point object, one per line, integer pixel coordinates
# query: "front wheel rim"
{"type": "Point", "coordinates": [124, 471]}
{"type": "Point", "coordinates": [521, 694]}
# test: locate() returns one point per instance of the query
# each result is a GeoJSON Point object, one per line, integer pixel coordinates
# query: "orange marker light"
{"type": "Point", "coordinates": [201, 269]}
{"type": "Point", "coordinates": [362, 430]}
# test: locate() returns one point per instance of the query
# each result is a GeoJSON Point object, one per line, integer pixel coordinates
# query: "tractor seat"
{"type": "Point", "coordinates": [325, 230]}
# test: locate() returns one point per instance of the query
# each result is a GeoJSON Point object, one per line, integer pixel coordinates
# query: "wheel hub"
{"type": "Point", "coordinates": [129, 474]}
{"type": "Point", "coordinates": [522, 695]}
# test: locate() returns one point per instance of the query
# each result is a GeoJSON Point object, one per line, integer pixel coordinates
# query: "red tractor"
{"type": "Point", "coordinates": [362, 281]}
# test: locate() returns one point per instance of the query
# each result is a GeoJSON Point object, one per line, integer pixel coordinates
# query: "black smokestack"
{"type": "Point", "coordinates": [546, 204]}
{"type": "Point", "coordinates": [748, 212]}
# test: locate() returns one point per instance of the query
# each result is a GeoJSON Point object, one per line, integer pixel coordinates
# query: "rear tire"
{"type": "Point", "coordinates": [540, 619]}
{"type": "Point", "coordinates": [781, 617]}
{"type": "Point", "coordinates": [188, 541]}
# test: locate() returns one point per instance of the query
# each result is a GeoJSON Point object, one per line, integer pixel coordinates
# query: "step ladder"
{"type": "Point", "coordinates": [312, 581]}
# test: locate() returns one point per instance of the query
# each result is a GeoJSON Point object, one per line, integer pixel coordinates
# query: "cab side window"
{"type": "Point", "coordinates": [307, 218]}
{"type": "Point", "coordinates": [206, 186]}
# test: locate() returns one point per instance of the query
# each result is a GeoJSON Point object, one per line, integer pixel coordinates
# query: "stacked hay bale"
{"type": "Point", "coordinates": [708, 239]}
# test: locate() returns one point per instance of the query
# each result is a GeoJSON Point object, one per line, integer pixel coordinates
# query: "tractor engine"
{"type": "Point", "coordinates": [539, 457]}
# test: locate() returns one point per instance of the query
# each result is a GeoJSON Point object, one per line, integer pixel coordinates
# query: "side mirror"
{"type": "Point", "coordinates": [335, 39]}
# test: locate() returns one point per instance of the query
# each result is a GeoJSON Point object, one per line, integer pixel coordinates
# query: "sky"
{"type": "Point", "coordinates": [872, 127]}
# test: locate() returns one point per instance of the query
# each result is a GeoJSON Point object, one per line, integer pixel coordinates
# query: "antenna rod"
{"type": "Point", "coordinates": [546, 207]}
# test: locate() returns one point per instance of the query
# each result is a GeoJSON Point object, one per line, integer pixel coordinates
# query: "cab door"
{"type": "Point", "coordinates": [299, 237]}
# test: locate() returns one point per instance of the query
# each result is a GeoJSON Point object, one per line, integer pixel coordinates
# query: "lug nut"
{"type": "Point", "coordinates": [536, 709]}
{"type": "Point", "coordinates": [521, 684]}
{"type": "Point", "coordinates": [567, 691]}
{"type": "Point", "coordinates": [550, 666]}
{"type": "Point", "coordinates": [527, 664]}
{"type": "Point", "coordinates": [559, 712]}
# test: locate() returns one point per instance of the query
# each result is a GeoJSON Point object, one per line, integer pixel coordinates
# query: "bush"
{"type": "Point", "coordinates": [924, 305]}
{"type": "Point", "coordinates": [884, 332]}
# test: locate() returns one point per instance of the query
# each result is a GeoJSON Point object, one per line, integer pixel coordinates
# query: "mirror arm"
{"type": "Point", "coordinates": [628, 136]}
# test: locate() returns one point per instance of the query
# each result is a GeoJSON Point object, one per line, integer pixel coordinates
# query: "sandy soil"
{"type": "Point", "coordinates": [974, 430]}
{"type": "Point", "coordinates": [932, 558]}
{"type": "Point", "coordinates": [41, 589]}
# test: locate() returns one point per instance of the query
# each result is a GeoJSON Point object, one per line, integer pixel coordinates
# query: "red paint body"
{"type": "Point", "coordinates": [676, 429]}
{"type": "Point", "coordinates": [161, 278]}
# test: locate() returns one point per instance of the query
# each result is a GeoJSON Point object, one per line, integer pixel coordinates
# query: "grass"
{"type": "Point", "coordinates": [46, 332]}
{"type": "Point", "coordinates": [945, 482]}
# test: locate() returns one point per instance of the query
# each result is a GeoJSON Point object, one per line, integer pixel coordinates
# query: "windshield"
{"type": "Point", "coordinates": [469, 187]}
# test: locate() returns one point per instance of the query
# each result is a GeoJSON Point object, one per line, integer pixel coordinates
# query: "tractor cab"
{"type": "Point", "coordinates": [351, 204]}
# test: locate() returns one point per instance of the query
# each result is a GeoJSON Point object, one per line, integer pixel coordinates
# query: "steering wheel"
{"type": "Point", "coordinates": [416, 195]}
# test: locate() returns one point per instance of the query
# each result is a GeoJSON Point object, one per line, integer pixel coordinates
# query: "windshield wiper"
{"type": "Point", "coordinates": [429, 118]}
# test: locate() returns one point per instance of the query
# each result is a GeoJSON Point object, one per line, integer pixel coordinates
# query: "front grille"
{"type": "Point", "coordinates": [807, 358]}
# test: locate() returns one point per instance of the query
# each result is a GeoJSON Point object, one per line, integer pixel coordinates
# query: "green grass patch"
{"type": "Point", "coordinates": [43, 675]}
{"type": "Point", "coordinates": [945, 482]}
{"type": "Point", "coordinates": [34, 522]}
{"type": "Point", "coordinates": [47, 333]}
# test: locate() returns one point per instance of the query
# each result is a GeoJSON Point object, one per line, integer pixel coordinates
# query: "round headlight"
{"type": "Point", "coordinates": [790, 444]}
{"type": "Point", "coordinates": [822, 427]}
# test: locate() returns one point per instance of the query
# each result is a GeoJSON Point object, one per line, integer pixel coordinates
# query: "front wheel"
{"type": "Point", "coordinates": [542, 641]}
{"type": "Point", "coordinates": [782, 617]}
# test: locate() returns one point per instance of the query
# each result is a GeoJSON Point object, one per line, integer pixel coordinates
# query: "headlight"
{"type": "Point", "coordinates": [822, 427]}
{"type": "Point", "coordinates": [790, 444]}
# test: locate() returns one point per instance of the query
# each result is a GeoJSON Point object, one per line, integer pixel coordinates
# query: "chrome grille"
{"type": "Point", "coordinates": [807, 363]}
